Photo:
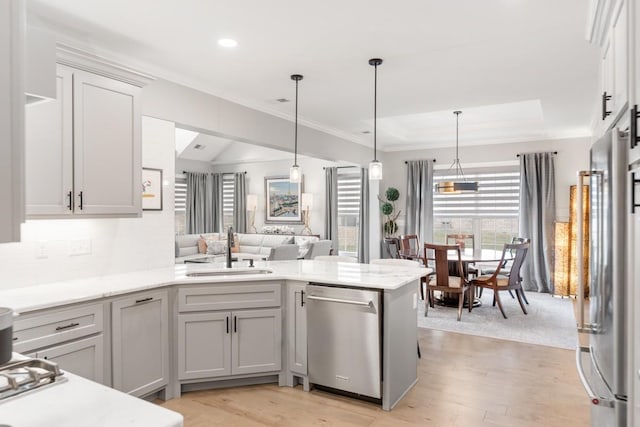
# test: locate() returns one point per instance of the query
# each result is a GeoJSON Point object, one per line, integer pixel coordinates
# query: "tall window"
{"type": "Point", "coordinates": [181, 204]}
{"type": "Point", "coordinates": [349, 193]}
{"type": "Point", "coordinates": [228, 203]}
{"type": "Point", "coordinates": [491, 214]}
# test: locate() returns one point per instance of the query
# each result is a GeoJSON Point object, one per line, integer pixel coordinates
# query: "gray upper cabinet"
{"type": "Point", "coordinates": [140, 348]}
{"type": "Point", "coordinates": [83, 149]}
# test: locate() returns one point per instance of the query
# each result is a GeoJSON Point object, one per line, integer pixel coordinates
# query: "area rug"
{"type": "Point", "coordinates": [550, 321]}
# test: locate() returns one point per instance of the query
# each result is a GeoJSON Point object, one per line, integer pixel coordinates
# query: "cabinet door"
{"type": "Point", "coordinates": [49, 151]}
{"type": "Point", "coordinates": [620, 45]}
{"type": "Point", "coordinates": [84, 357]}
{"type": "Point", "coordinates": [140, 343]}
{"type": "Point", "coordinates": [107, 146]}
{"type": "Point", "coordinates": [204, 345]}
{"type": "Point", "coordinates": [297, 329]}
{"type": "Point", "coordinates": [257, 341]}
{"type": "Point", "coordinates": [607, 111]}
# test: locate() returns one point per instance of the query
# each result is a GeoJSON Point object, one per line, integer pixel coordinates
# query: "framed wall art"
{"type": "Point", "coordinates": [282, 200]}
{"type": "Point", "coordinates": [151, 189]}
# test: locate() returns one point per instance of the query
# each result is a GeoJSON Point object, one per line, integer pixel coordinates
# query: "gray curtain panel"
{"type": "Point", "coordinates": [240, 203]}
{"type": "Point", "coordinates": [199, 213]}
{"type": "Point", "coordinates": [363, 229]}
{"type": "Point", "coordinates": [331, 207]}
{"type": "Point", "coordinates": [216, 202]}
{"type": "Point", "coordinates": [537, 215]}
{"type": "Point", "coordinates": [419, 206]}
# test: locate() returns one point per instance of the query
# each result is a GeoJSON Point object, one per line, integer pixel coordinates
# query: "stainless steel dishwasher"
{"type": "Point", "coordinates": [344, 339]}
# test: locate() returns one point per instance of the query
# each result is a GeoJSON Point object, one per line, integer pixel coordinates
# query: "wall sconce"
{"type": "Point", "coordinates": [252, 205]}
{"type": "Point", "coordinates": [307, 204]}
{"type": "Point", "coordinates": [565, 274]}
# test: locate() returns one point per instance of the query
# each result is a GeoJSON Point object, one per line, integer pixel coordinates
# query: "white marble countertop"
{"type": "Point", "coordinates": [80, 402]}
{"type": "Point", "coordinates": [49, 295]}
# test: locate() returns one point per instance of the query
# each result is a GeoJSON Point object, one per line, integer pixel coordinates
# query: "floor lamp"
{"type": "Point", "coordinates": [252, 204]}
{"type": "Point", "coordinates": [307, 204]}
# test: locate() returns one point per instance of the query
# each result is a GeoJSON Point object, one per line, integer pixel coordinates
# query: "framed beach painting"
{"type": "Point", "coordinates": [283, 200]}
{"type": "Point", "coordinates": [151, 189]}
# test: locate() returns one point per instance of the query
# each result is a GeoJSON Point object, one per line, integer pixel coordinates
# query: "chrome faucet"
{"type": "Point", "coordinates": [230, 244]}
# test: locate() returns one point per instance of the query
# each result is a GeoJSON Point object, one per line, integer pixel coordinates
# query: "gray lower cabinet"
{"type": "Point", "coordinates": [140, 332]}
{"type": "Point", "coordinates": [297, 328]}
{"type": "Point", "coordinates": [84, 357]}
{"type": "Point", "coordinates": [218, 344]}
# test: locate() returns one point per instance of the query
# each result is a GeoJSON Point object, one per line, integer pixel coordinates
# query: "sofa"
{"type": "Point", "coordinates": [247, 246]}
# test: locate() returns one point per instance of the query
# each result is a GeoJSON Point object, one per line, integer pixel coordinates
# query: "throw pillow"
{"type": "Point", "coordinates": [236, 247]}
{"type": "Point", "coordinates": [216, 247]}
{"type": "Point", "coordinates": [202, 245]}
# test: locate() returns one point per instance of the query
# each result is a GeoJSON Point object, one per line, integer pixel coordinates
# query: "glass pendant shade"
{"type": "Point", "coordinates": [295, 173]}
{"type": "Point", "coordinates": [375, 170]}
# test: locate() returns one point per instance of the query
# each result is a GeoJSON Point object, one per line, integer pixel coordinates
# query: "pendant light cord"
{"type": "Point", "coordinates": [295, 150]}
{"type": "Point", "coordinates": [375, 111]}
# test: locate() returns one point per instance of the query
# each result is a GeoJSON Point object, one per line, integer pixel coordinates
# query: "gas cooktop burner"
{"type": "Point", "coordinates": [24, 375]}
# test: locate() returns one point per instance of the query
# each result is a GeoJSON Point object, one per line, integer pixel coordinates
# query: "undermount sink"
{"type": "Point", "coordinates": [228, 272]}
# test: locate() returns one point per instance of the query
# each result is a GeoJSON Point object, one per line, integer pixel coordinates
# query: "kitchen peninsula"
{"type": "Point", "coordinates": [142, 332]}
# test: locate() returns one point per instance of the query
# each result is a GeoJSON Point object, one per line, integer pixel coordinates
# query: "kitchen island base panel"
{"type": "Point", "coordinates": [400, 335]}
{"type": "Point", "coordinates": [228, 383]}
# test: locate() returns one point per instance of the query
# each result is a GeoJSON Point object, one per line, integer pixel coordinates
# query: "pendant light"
{"type": "Point", "coordinates": [460, 185]}
{"type": "Point", "coordinates": [375, 167]}
{"type": "Point", "coordinates": [295, 174]}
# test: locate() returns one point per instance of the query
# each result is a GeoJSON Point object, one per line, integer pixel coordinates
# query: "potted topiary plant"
{"type": "Point", "coordinates": [388, 208]}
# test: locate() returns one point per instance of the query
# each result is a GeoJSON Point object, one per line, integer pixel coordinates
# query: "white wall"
{"type": "Point", "coordinates": [183, 165]}
{"type": "Point", "coordinates": [117, 245]}
{"type": "Point", "coordinates": [313, 175]}
{"type": "Point", "coordinates": [573, 155]}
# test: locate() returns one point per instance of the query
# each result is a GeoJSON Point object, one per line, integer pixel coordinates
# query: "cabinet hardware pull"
{"type": "Point", "coordinates": [81, 200]}
{"type": "Point", "coordinates": [605, 98]}
{"type": "Point", "coordinates": [138, 301]}
{"type": "Point", "coordinates": [634, 139]}
{"type": "Point", "coordinates": [301, 298]}
{"type": "Point", "coordinates": [634, 181]}
{"type": "Point", "coordinates": [15, 338]}
{"type": "Point", "coordinates": [70, 325]}
{"type": "Point", "coordinates": [235, 324]}
{"type": "Point", "coordinates": [70, 197]}
{"type": "Point", "coordinates": [227, 324]}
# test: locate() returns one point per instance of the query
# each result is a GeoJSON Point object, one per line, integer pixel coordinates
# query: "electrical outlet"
{"type": "Point", "coordinates": [42, 250]}
{"type": "Point", "coordinates": [80, 247]}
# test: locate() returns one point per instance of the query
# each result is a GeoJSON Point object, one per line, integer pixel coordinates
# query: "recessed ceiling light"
{"type": "Point", "coordinates": [227, 43]}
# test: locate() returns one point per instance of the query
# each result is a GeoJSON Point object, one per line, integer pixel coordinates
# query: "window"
{"type": "Point", "coordinates": [349, 192]}
{"type": "Point", "coordinates": [228, 188]}
{"type": "Point", "coordinates": [491, 214]}
{"type": "Point", "coordinates": [181, 204]}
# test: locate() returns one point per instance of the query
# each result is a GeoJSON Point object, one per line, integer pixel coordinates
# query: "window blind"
{"type": "Point", "coordinates": [181, 194]}
{"type": "Point", "coordinates": [228, 185]}
{"type": "Point", "coordinates": [349, 193]}
{"type": "Point", "coordinates": [497, 196]}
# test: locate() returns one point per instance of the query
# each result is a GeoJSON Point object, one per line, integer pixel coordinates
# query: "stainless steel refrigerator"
{"type": "Point", "coordinates": [602, 364]}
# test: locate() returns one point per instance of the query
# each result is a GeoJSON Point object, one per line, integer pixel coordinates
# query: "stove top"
{"type": "Point", "coordinates": [19, 376]}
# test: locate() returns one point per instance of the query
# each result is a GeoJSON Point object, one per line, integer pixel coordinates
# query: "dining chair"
{"type": "Point", "coordinates": [462, 240]}
{"type": "Point", "coordinates": [505, 267]}
{"type": "Point", "coordinates": [498, 282]}
{"type": "Point", "coordinates": [409, 245]}
{"type": "Point", "coordinates": [444, 280]}
{"type": "Point", "coordinates": [336, 258]}
{"type": "Point", "coordinates": [392, 247]}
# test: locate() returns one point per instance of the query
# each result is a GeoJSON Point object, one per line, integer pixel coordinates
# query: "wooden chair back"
{"type": "Point", "coordinates": [409, 244]}
{"type": "Point", "coordinates": [462, 240]}
{"type": "Point", "coordinates": [519, 252]}
{"type": "Point", "coordinates": [392, 247]}
{"type": "Point", "coordinates": [437, 256]}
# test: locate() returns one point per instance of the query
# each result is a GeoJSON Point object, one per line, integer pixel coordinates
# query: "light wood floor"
{"type": "Point", "coordinates": [463, 381]}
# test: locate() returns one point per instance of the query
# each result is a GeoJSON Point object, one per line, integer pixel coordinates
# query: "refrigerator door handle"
{"type": "Point", "coordinates": [582, 325]}
{"type": "Point", "coordinates": [595, 399]}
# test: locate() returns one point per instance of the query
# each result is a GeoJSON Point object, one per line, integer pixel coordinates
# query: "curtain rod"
{"type": "Point", "coordinates": [407, 161]}
{"type": "Point", "coordinates": [222, 173]}
{"type": "Point", "coordinates": [518, 155]}
{"type": "Point", "coordinates": [340, 167]}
